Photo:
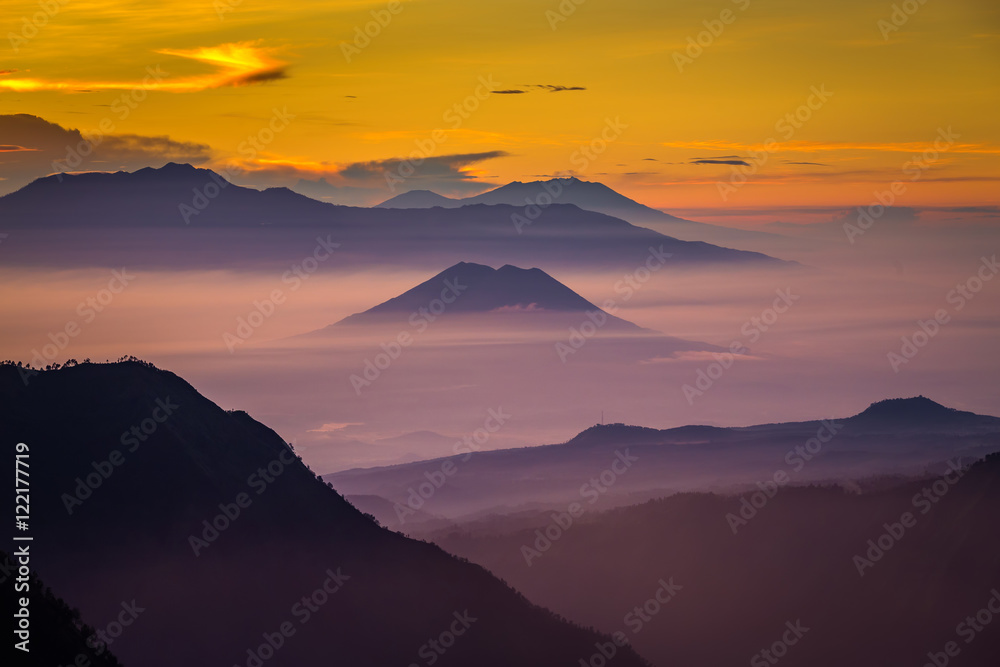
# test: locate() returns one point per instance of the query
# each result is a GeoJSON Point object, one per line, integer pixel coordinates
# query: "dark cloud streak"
{"type": "Point", "coordinates": [743, 163]}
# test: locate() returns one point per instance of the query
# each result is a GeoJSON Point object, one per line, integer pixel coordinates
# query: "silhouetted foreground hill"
{"type": "Point", "coordinates": [57, 634]}
{"type": "Point", "coordinates": [879, 579]}
{"type": "Point", "coordinates": [144, 491]}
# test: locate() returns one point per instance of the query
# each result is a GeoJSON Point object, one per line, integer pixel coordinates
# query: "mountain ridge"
{"type": "Point", "coordinates": [692, 458]}
{"type": "Point", "coordinates": [591, 196]}
{"type": "Point", "coordinates": [110, 217]}
{"type": "Point", "coordinates": [153, 510]}
{"type": "Point", "coordinates": [801, 550]}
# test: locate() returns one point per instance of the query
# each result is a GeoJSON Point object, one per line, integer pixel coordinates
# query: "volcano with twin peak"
{"type": "Point", "coordinates": [506, 298]}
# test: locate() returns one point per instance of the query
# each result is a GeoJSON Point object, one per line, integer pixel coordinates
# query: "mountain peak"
{"type": "Point", "coordinates": [617, 432]}
{"type": "Point", "coordinates": [482, 288]}
{"type": "Point", "coordinates": [477, 288]}
{"type": "Point", "coordinates": [589, 195]}
{"type": "Point", "coordinates": [917, 411]}
{"type": "Point", "coordinates": [899, 407]}
{"type": "Point", "coordinates": [418, 199]}
{"type": "Point", "coordinates": [172, 174]}
{"type": "Point", "coordinates": [174, 195]}
{"type": "Point", "coordinates": [174, 171]}
{"type": "Point", "coordinates": [178, 167]}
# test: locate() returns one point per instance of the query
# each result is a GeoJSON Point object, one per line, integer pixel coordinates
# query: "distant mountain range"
{"type": "Point", "coordinates": [889, 573]}
{"type": "Point", "coordinates": [899, 436]}
{"type": "Point", "coordinates": [590, 196]}
{"type": "Point", "coordinates": [159, 217]}
{"type": "Point", "coordinates": [146, 492]}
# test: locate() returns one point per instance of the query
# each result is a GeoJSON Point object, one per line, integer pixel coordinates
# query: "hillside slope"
{"type": "Point", "coordinates": [144, 490]}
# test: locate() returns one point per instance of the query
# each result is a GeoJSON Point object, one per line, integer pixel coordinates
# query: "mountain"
{"type": "Point", "coordinates": [421, 199]}
{"type": "Point", "coordinates": [175, 195]}
{"type": "Point", "coordinates": [886, 576]}
{"type": "Point", "coordinates": [145, 493]}
{"type": "Point", "coordinates": [693, 458]}
{"type": "Point", "coordinates": [591, 196]}
{"type": "Point", "coordinates": [898, 414]}
{"type": "Point", "coordinates": [180, 216]}
{"type": "Point", "coordinates": [505, 292]}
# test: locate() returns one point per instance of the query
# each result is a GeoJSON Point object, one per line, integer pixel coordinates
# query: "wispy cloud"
{"type": "Point", "coordinates": [441, 165]}
{"type": "Point", "coordinates": [719, 161]}
{"type": "Point", "coordinates": [556, 89]}
{"type": "Point", "coordinates": [236, 64]}
{"type": "Point", "coordinates": [539, 87]}
{"type": "Point", "coordinates": [334, 426]}
{"type": "Point", "coordinates": [817, 146]}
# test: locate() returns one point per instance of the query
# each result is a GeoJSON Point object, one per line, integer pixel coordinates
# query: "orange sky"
{"type": "Point", "coordinates": [535, 87]}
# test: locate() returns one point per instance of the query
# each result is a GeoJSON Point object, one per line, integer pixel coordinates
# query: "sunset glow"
{"type": "Point", "coordinates": [686, 94]}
